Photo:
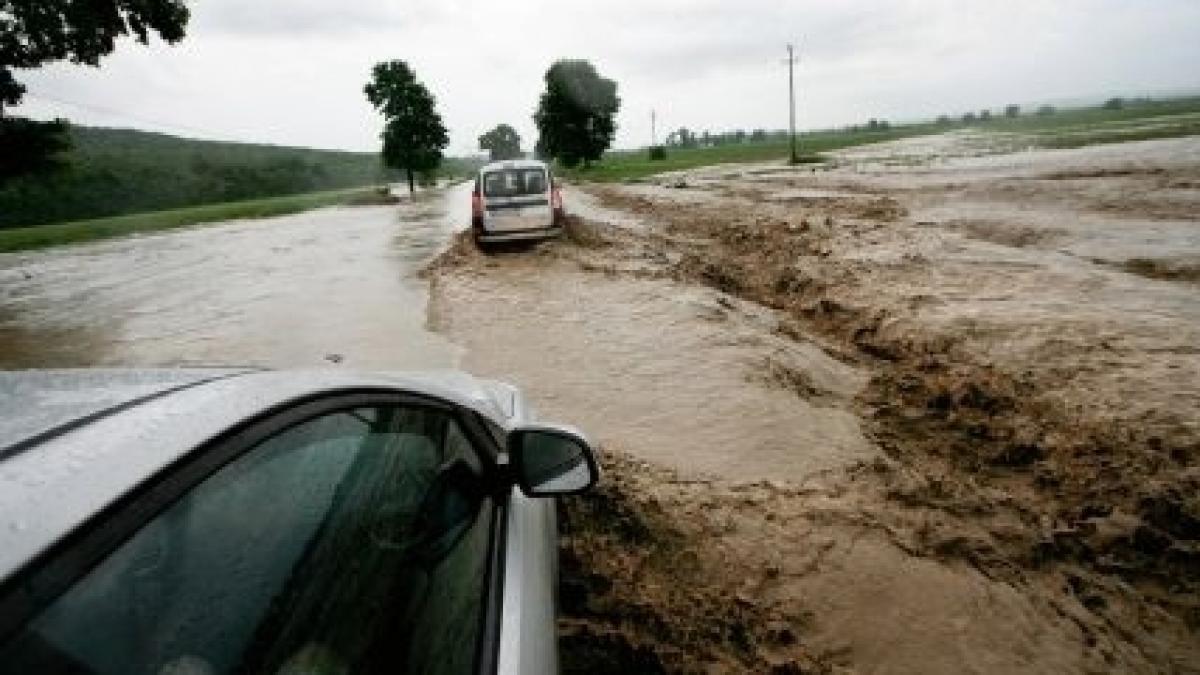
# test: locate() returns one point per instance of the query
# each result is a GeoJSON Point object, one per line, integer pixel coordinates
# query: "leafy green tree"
{"type": "Point", "coordinates": [1012, 110]}
{"type": "Point", "coordinates": [1045, 110]}
{"type": "Point", "coordinates": [576, 116]}
{"type": "Point", "coordinates": [29, 147]}
{"type": "Point", "coordinates": [413, 133]}
{"type": "Point", "coordinates": [36, 32]}
{"type": "Point", "coordinates": [1115, 103]}
{"type": "Point", "coordinates": [503, 142]}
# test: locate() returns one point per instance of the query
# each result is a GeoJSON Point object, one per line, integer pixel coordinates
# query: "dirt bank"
{"type": "Point", "coordinates": [936, 415]}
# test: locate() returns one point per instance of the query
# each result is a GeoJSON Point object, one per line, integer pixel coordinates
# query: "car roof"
{"type": "Point", "coordinates": [125, 427]}
{"type": "Point", "coordinates": [37, 404]}
{"type": "Point", "coordinates": [513, 164]}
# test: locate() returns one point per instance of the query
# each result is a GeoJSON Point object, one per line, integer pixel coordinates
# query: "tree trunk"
{"type": "Point", "coordinates": [411, 188]}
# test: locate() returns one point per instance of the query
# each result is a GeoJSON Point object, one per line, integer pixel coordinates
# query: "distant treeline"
{"type": "Point", "coordinates": [685, 138]}
{"type": "Point", "coordinates": [118, 171]}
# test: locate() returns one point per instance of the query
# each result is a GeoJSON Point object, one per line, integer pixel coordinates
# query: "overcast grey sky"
{"type": "Point", "coordinates": [291, 71]}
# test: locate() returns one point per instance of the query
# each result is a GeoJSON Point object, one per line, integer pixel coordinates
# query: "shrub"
{"type": "Point", "coordinates": [657, 152]}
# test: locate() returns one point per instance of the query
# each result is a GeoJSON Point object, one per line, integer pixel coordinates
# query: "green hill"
{"type": "Point", "coordinates": [113, 172]}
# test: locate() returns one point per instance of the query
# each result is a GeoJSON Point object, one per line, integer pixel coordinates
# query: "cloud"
{"type": "Point", "coordinates": [292, 71]}
{"type": "Point", "coordinates": [309, 17]}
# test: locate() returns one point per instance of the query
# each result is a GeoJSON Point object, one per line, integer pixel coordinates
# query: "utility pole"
{"type": "Point", "coordinates": [791, 61]}
{"type": "Point", "coordinates": [653, 134]}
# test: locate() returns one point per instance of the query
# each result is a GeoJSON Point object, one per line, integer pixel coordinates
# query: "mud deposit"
{"type": "Point", "coordinates": [928, 416]}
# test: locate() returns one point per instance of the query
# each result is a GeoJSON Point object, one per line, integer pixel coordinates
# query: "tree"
{"type": "Point", "coordinates": [34, 33]}
{"type": "Point", "coordinates": [1012, 110]}
{"type": "Point", "coordinates": [684, 138]}
{"type": "Point", "coordinates": [1045, 110]}
{"type": "Point", "coordinates": [576, 116]}
{"type": "Point", "coordinates": [29, 147]}
{"type": "Point", "coordinates": [503, 142]}
{"type": "Point", "coordinates": [985, 115]}
{"type": "Point", "coordinates": [413, 133]}
{"type": "Point", "coordinates": [967, 118]}
{"type": "Point", "coordinates": [1115, 103]}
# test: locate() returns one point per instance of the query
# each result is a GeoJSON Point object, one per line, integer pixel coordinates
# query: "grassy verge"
{"type": "Point", "coordinates": [41, 236]}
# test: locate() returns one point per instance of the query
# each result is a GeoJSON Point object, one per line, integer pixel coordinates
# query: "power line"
{"type": "Point", "coordinates": [123, 114]}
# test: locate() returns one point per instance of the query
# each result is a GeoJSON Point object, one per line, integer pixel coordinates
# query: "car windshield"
{"type": "Point", "coordinates": [514, 182]}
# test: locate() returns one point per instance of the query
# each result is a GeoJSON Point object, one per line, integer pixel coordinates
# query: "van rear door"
{"type": "Point", "coordinates": [516, 198]}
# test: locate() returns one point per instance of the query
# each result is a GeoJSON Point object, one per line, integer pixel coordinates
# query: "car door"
{"type": "Point", "coordinates": [350, 535]}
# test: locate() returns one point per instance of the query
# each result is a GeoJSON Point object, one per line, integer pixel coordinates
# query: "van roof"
{"type": "Point", "coordinates": [514, 164]}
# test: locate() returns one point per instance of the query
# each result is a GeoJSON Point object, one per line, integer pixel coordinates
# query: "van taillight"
{"type": "Point", "coordinates": [476, 204]}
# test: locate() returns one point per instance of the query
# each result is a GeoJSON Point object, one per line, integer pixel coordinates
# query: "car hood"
{"type": "Point", "coordinates": [502, 402]}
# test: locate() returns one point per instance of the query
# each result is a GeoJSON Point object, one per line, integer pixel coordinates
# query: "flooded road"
{"type": "Point", "coordinates": [335, 285]}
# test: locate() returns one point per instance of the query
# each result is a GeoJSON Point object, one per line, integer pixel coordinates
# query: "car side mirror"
{"type": "Point", "coordinates": [551, 460]}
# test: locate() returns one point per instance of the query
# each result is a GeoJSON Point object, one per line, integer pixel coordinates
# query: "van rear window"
{"type": "Point", "coordinates": [514, 182]}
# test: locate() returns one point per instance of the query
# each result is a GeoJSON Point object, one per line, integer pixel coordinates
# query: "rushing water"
{"type": "Point", "coordinates": [335, 285]}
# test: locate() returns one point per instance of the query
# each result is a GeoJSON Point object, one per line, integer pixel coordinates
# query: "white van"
{"type": "Point", "coordinates": [515, 200]}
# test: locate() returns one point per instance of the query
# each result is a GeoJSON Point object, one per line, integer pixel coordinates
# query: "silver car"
{"type": "Point", "coordinates": [515, 200]}
{"type": "Point", "coordinates": [202, 521]}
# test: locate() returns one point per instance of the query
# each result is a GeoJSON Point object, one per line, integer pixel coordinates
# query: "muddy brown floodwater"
{"type": "Point", "coordinates": [331, 285]}
{"type": "Point", "coordinates": [931, 409]}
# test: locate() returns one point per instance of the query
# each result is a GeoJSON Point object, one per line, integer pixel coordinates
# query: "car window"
{"type": "Point", "coordinates": [355, 542]}
{"type": "Point", "coordinates": [514, 182]}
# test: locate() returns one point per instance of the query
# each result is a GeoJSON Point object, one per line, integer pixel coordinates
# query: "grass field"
{"type": "Point", "coordinates": [1078, 127]}
{"type": "Point", "coordinates": [41, 236]}
{"type": "Point", "coordinates": [1066, 128]}
{"type": "Point", "coordinates": [634, 164]}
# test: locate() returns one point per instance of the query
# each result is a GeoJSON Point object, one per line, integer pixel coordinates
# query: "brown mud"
{"type": "Point", "coordinates": [986, 457]}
